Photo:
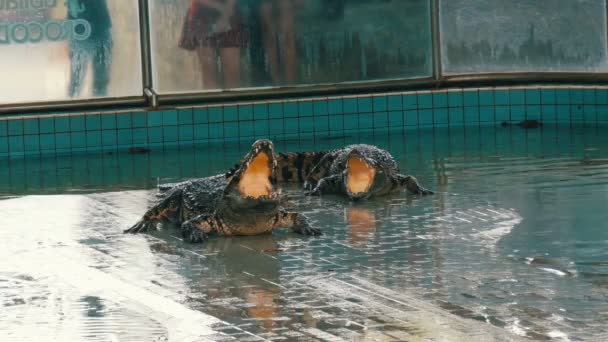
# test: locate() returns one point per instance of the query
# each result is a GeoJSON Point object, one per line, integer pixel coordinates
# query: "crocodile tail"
{"type": "Point", "coordinates": [162, 188]}
{"type": "Point", "coordinates": [293, 167]}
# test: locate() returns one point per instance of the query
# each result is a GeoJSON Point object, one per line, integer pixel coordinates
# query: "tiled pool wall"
{"type": "Point", "coordinates": [46, 134]}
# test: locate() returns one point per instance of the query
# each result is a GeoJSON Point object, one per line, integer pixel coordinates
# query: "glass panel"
{"type": "Point", "coordinates": [523, 35]}
{"type": "Point", "coordinates": [65, 49]}
{"type": "Point", "coordinates": [216, 44]}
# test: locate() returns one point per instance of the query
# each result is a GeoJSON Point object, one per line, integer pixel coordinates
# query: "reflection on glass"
{"type": "Point", "coordinates": [62, 49]}
{"type": "Point", "coordinates": [212, 28]}
{"type": "Point", "coordinates": [287, 42]}
{"type": "Point", "coordinates": [95, 50]}
{"type": "Point", "coordinates": [277, 23]}
{"type": "Point", "coordinates": [523, 35]}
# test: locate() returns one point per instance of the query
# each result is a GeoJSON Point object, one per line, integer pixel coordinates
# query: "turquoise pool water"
{"type": "Point", "coordinates": [514, 244]}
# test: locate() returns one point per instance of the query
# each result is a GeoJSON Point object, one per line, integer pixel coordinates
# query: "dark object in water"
{"type": "Point", "coordinates": [530, 124]}
{"type": "Point", "coordinates": [138, 150]}
{"type": "Point", "coordinates": [588, 161]}
{"type": "Point", "coordinates": [524, 124]}
{"type": "Point", "coordinates": [272, 250]}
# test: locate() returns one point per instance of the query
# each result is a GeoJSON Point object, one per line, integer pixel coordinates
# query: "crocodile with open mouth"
{"type": "Point", "coordinates": [244, 202]}
{"type": "Point", "coordinates": [358, 171]}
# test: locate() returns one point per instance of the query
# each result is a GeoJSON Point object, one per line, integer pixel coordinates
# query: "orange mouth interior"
{"type": "Point", "coordinates": [360, 175]}
{"type": "Point", "coordinates": [255, 180]}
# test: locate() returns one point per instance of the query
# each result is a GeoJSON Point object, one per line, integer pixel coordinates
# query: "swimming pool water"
{"type": "Point", "coordinates": [513, 244]}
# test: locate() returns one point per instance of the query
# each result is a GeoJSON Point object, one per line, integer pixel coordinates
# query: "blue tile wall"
{"type": "Point", "coordinates": [290, 109]}
{"type": "Point", "coordinates": [140, 137]}
{"type": "Point", "coordinates": [139, 119]}
{"type": "Point", "coordinates": [425, 117]}
{"type": "Point", "coordinates": [3, 128]}
{"type": "Point", "coordinates": [155, 119]}
{"type": "Point", "coordinates": [440, 100]}
{"type": "Point", "coordinates": [336, 122]}
{"type": "Point", "coordinates": [275, 111]}
{"type": "Point", "coordinates": [395, 102]}
{"type": "Point", "coordinates": [77, 123]}
{"type": "Point", "coordinates": [15, 144]}
{"type": "Point", "coordinates": [62, 124]}
{"type": "Point", "coordinates": [31, 143]}
{"type": "Point", "coordinates": [486, 98]}
{"type": "Point", "coordinates": [380, 103]}
{"type": "Point", "coordinates": [79, 140]}
{"type": "Point", "coordinates": [456, 117]}
{"type": "Point", "coordinates": [15, 127]}
{"type": "Point", "coordinates": [518, 97]}
{"type": "Point", "coordinates": [246, 128]}
{"type": "Point", "coordinates": [455, 99]}
{"type": "Point", "coordinates": [31, 135]}
{"type": "Point", "coordinates": [215, 114]}
{"type": "Point", "coordinates": [471, 98]}
{"type": "Point", "coordinates": [440, 117]}
{"type": "Point", "coordinates": [4, 148]}
{"type": "Point", "coordinates": [547, 96]}
{"type": "Point", "coordinates": [350, 105]}
{"type": "Point", "coordinates": [186, 133]}
{"type": "Point", "coordinates": [410, 102]}
{"type": "Point", "coordinates": [533, 97]}
{"type": "Point", "coordinates": [425, 101]}
{"type": "Point", "coordinates": [410, 118]}
{"type": "Point", "coordinates": [169, 117]}
{"type": "Point", "coordinates": [365, 105]}
{"type": "Point", "coordinates": [601, 96]}
{"type": "Point", "coordinates": [108, 121]}
{"type": "Point", "coordinates": [471, 115]}
{"type": "Point", "coordinates": [47, 142]}
{"type": "Point", "coordinates": [185, 116]}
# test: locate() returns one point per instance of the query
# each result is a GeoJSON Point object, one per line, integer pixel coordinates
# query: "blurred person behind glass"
{"type": "Point", "coordinates": [278, 36]}
{"type": "Point", "coordinates": [96, 49]}
{"type": "Point", "coordinates": [212, 28]}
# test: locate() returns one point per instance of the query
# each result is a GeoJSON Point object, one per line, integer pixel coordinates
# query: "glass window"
{"type": "Point", "coordinates": [481, 36]}
{"type": "Point", "coordinates": [68, 49]}
{"type": "Point", "coordinates": [227, 44]}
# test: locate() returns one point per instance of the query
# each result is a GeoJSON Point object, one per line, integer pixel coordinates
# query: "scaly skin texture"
{"type": "Point", "coordinates": [325, 172]}
{"type": "Point", "coordinates": [215, 205]}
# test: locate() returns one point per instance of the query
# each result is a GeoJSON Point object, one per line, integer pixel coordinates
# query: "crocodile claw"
{"type": "Point", "coordinates": [313, 192]}
{"type": "Point", "coordinates": [310, 231]}
{"type": "Point", "coordinates": [424, 191]}
{"type": "Point", "coordinates": [303, 227]}
{"type": "Point", "coordinates": [140, 227]}
{"type": "Point", "coordinates": [191, 233]}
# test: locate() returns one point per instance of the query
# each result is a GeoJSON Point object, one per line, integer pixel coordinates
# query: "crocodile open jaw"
{"type": "Point", "coordinates": [255, 181]}
{"type": "Point", "coordinates": [360, 175]}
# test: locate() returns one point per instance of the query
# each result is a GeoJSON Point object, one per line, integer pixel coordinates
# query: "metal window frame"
{"type": "Point", "coordinates": [437, 80]}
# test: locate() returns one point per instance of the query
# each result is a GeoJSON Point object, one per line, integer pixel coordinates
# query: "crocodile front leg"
{"type": "Point", "coordinates": [199, 228]}
{"type": "Point", "coordinates": [412, 185]}
{"type": "Point", "coordinates": [297, 222]}
{"type": "Point", "coordinates": [327, 185]}
{"type": "Point", "coordinates": [165, 210]}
